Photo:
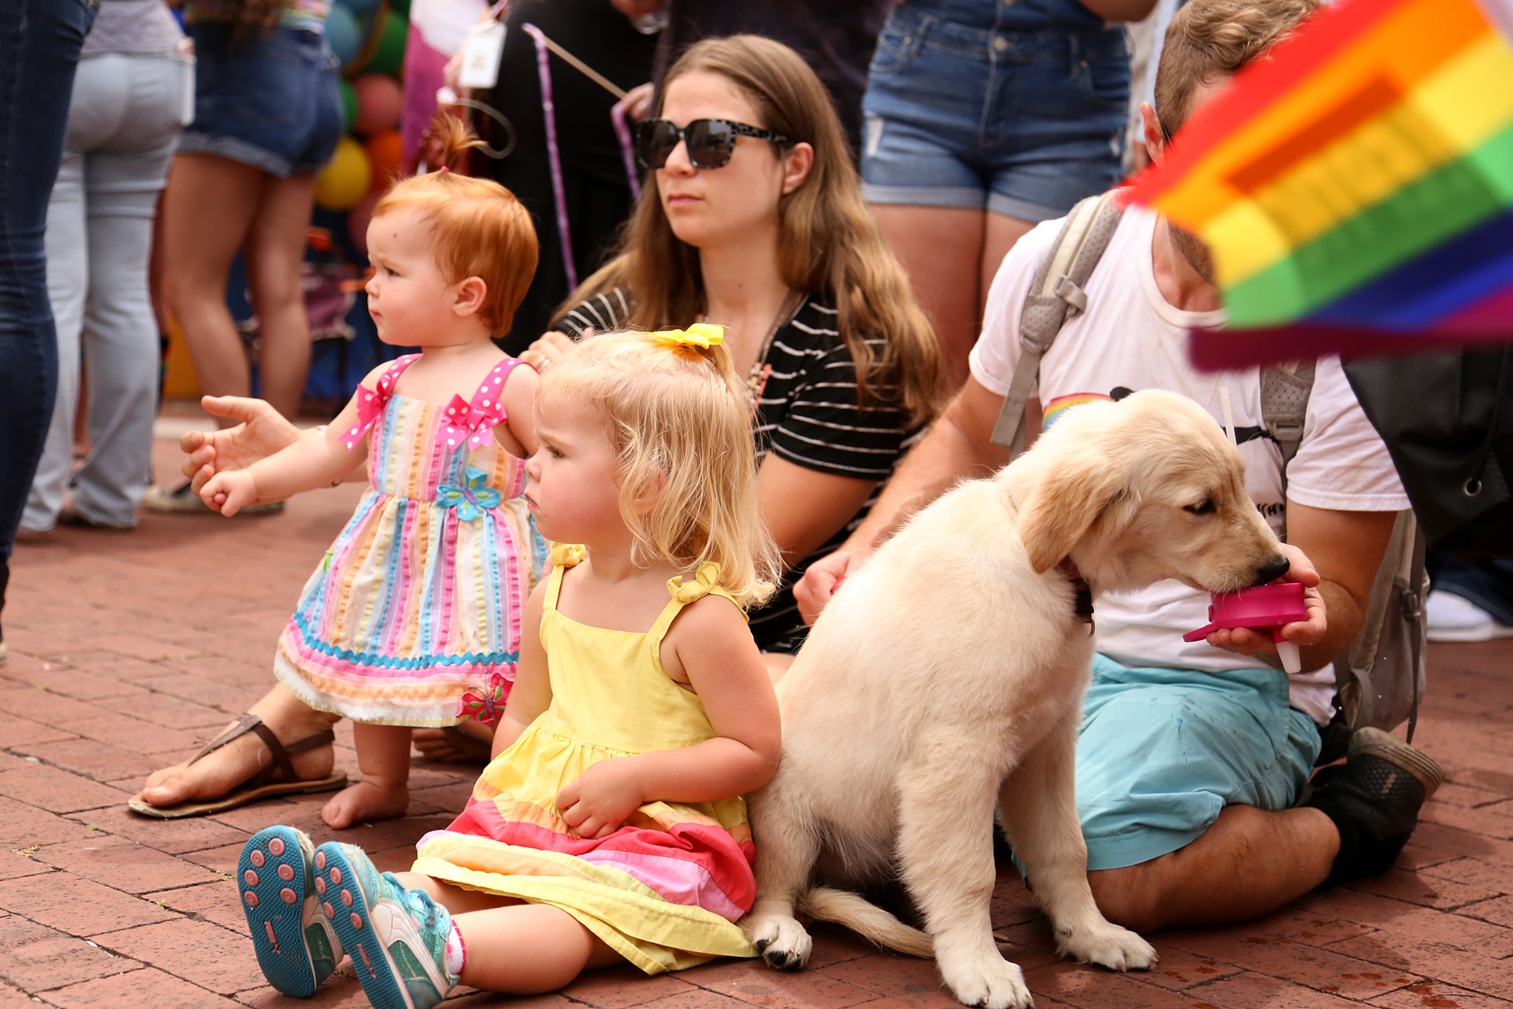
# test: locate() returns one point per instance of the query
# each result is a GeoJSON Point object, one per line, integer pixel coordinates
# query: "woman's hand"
{"type": "Point", "coordinates": [548, 347]}
{"type": "Point", "coordinates": [637, 102]}
{"type": "Point", "coordinates": [261, 432]}
{"type": "Point", "coordinates": [602, 798]}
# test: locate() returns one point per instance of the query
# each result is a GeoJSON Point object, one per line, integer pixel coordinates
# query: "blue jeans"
{"type": "Point", "coordinates": [123, 124]}
{"type": "Point", "coordinates": [272, 102]}
{"type": "Point", "coordinates": [39, 49]}
{"type": "Point", "coordinates": [983, 117]}
{"type": "Point", "coordinates": [1486, 582]}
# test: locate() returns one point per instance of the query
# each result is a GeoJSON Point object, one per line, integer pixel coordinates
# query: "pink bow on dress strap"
{"type": "Point", "coordinates": [473, 422]}
{"type": "Point", "coordinates": [371, 402]}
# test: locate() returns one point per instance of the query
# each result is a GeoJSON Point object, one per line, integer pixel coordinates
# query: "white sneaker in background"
{"type": "Point", "coordinates": [181, 500]}
{"type": "Point", "coordinates": [1455, 618]}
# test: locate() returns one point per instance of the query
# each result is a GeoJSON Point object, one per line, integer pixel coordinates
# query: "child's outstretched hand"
{"type": "Point", "coordinates": [602, 798]}
{"type": "Point", "coordinates": [229, 492]}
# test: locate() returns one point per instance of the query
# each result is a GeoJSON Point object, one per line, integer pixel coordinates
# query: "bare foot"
{"type": "Point", "coordinates": [222, 770]}
{"type": "Point", "coordinates": [363, 802]}
{"type": "Point", "coordinates": [468, 742]}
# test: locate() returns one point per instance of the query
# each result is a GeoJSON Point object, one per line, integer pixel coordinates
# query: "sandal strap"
{"type": "Point", "coordinates": [280, 768]}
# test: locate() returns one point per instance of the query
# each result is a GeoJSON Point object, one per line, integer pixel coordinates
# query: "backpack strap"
{"type": "Point", "coordinates": [1285, 389]}
{"type": "Point", "coordinates": [1056, 295]}
{"type": "Point", "coordinates": [1371, 689]}
{"type": "Point", "coordinates": [1397, 594]}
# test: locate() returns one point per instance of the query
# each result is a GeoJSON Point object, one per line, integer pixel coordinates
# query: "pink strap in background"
{"type": "Point", "coordinates": [554, 154]}
{"type": "Point", "coordinates": [620, 116]}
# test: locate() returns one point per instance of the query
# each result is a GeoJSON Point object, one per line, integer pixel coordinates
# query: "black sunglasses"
{"type": "Point", "coordinates": [709, 141]}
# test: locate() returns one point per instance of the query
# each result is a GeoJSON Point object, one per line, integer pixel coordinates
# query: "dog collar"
{"type": "Point", "coordinates": [1082, 600]}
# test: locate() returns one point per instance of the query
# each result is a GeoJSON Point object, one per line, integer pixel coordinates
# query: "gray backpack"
{"type": "Point", "coordinates": [1382, 677]}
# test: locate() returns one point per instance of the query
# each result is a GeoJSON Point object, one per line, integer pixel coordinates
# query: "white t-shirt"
{"type": "Point", "coordinates": [1131, 338]}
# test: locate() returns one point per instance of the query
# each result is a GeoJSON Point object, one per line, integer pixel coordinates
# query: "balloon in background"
{"type": "Point", "coordinates": [343, 34]}
{"type": "Point", "coordinates": [385, 149]}
{"type": "Point", "coordinates": [346, 178]}
{"type": "Point", "coordinates": [389, 54]}
{"type": "Point", "coordinates": [380, 102]}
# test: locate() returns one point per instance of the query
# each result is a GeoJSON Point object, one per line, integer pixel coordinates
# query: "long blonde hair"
{"type": "Point", "coordinates": [480, 228]}
{"type": "Point", "coordinates": [677, 418]}
{"type": "Point", "coordinates": [827, 238]}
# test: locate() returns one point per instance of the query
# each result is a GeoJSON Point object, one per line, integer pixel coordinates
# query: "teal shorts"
{"type": "Point", "coordinates": [1163, 750]}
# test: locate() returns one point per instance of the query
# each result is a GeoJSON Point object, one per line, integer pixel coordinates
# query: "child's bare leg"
{"type": "Point", "coordinates": [383, 756]}
{"type": "Point", "coordinates": [526, 949]}
{"type": "Point", "coordinates": [512, 946]}
{"type": "Point", "coordinates": [223, 770]}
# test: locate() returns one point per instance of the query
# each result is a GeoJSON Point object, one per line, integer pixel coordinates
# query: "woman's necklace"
{"type": "Point", "coordinates": [761, 369]}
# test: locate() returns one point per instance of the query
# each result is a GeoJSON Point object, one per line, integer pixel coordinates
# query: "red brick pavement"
{"type": "Point", "coordinates": [125, 650]}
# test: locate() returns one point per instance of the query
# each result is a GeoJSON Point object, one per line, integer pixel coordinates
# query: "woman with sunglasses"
{"type": "Point", "coordinates": [751, 216]}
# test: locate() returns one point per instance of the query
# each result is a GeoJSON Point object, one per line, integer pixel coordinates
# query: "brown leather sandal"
{"type": "Point", "coordinates": [277, 777]}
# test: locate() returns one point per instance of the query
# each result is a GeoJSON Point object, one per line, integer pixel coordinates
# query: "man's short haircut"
{"type": "Point", "coordinates": [1212, 39]}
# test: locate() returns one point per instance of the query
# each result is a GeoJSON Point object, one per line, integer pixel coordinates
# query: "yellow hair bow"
{"type": "Point", "coordinates": [701, 334]}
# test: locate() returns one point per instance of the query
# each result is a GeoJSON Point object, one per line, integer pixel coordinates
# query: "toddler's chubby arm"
{"type": "Point", "coordinates": [711, 644]}
{"type": "Point", "coordinates": [311, 461]}
{"type": "Point", "coordinates": [532, 692]}
{"type": "Point", "coordinates": [520, 410]}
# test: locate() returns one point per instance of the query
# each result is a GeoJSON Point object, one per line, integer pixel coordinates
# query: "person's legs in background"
{"type": "Point", "coordinates": [123, 124]}
{"type": "Point", "coordinates": [950, 255]}
{"type": "Point", "coordinates": [207, 212]}
{"type": "Point", "coordinates": [267, 115]}
{"type": "Point", "coordinates": [39, 49]}
{"type": "Point", "coordinates": [274, 252]}
{"type": "Point", "coordinates": [972, 137]}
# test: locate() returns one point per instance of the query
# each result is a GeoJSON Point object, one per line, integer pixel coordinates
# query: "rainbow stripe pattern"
{"type": "Point", "coordinates": [1357, 186]}
{"type": "Point", "coordinates": [419, 600]}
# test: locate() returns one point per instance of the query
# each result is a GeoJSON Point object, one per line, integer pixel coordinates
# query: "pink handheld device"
{"type": "Point", "coordinates": [1262, 606]}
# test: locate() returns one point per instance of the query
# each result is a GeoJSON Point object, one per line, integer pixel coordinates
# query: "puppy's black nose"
{"type": "Point", "coordinates": [1272, 570]}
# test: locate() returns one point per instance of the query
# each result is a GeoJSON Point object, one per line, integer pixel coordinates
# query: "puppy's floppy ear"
{"type": "Point", "coordinates": [1065, 502]}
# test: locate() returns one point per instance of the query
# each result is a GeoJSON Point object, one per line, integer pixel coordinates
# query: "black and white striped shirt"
{"type": "Point", "coordinates": [807, 413]}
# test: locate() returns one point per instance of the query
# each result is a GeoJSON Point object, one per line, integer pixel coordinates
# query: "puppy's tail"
{"type": "Point", "coordinates": [867, 920]}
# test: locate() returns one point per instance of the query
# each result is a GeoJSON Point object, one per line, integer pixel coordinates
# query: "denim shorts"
{"type": "Point", "coordinates": [273, 101]}
{"type": "Point", "coordinates": [1024, 124]}
{"type": "Point", "coordinates": [1162, 751]}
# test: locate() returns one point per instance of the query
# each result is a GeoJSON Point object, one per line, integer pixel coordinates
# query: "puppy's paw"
{"type": "Point", "coordinates": [781, 940]}
{"type": "Point", "coordinates": [992, 984]}
{"type": "Point", "coordinates": [1108, 945]}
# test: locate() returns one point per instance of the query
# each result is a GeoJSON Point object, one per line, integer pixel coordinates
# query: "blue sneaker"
{"type": "Point", "coordinates": [396, 937]}
{"type": "Point", "coordinates": [295, 945]}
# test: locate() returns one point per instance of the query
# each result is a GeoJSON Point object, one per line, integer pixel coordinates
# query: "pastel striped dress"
{"type": "Point", "coordinates": [666, 889]}
{"type": "Point", "coordinates": [414, 617]}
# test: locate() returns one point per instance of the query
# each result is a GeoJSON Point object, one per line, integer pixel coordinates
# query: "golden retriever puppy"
{"type": "Point", "coordinates": [945, 678]}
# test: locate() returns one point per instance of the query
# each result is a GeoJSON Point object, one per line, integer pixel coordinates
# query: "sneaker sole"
{"type": "Point", "coordinates": [274, 876]}
{"type": "Point", "coordinates": [1464, 635]}
{"type": "Point", "coordinates": [1382, 744]}
{"type": "Point", "coordinates": [350, 911]}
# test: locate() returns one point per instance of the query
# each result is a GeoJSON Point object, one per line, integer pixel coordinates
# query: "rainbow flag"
{"type": "Point", "coordinates": [1356, 188]}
